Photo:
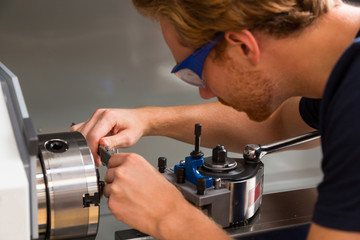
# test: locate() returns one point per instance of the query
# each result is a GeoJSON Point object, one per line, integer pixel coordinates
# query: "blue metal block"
{"type": "Point", "coordinates": [191, 173]}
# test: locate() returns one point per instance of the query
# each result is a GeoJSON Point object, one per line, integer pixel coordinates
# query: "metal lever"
{"type": "Point", "coordinates": [197, 154]}
{"type": "Point", "coordinates": [254, 152]}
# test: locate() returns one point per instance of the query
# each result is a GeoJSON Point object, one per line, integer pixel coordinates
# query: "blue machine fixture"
{"type": "Point", "coordinates": [192, 163]}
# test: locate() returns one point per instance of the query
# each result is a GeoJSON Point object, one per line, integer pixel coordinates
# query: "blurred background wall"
{"type": "Point", "coordinates": [73, 57]}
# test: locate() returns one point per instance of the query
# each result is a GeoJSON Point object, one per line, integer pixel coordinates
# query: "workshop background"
{"type": "Point", "coordinates": [73, 57]}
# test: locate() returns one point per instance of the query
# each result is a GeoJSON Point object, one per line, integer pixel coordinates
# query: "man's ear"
{"type": "Point", "coordinates": [248, 46]}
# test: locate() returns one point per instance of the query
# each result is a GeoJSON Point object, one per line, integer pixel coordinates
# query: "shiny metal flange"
{"type": "Point", "coordinates": [227, 165]}
{"type": "Point", "coordinates": [219, 162]}
{"type": "Point", "coordinates": [67, 188]}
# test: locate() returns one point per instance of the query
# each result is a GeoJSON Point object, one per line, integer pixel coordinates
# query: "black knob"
{"type": "Point", "coordinates": [197, 154]}
{"type": "Point", "coordinates": [201, 186]}
{"type": "Point", "coordinates": [180, 174]}
{"type": "Point", "coordinates": [162, 164]}
{"type": "Point", "coordinates": [219, 154]}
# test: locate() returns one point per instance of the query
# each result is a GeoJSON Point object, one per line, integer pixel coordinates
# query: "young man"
{"type": "Point", "coordinates": [284, 66]}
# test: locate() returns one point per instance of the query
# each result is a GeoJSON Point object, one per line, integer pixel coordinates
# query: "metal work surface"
{"type": "Point", "coordinates": [280, 211]}
{"type": "Point", "coordinates": [281, 216]}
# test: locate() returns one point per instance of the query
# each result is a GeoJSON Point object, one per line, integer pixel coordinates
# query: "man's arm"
{"type": "Point", "coordinates": [224, 125]}
{"type": "Point", "coordinates": [144, 199]}
{"type": "Point", "coordinates": [122, 128]}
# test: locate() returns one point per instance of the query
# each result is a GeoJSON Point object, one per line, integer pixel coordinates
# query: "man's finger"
{"type": "Point", "coordinates": [117, 159]}
{"type": "Point", "coordinates": [110, 175]}
{"type": "Point", "coordinates": [76, 127]}
{"type": "Point", "coordinates": [107, 190]}
{"type": "Point", "coordinates": [123, 139]}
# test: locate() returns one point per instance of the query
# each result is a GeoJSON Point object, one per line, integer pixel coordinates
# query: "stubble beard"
{"type": "Point", "coordinates": [252, 93]}
{"type": "Point", "coordinates": [254, 115]}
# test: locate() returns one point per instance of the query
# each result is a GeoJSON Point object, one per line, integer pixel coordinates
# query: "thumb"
{"type": "Point", "coordinates": [104, 142]}
{"type": "Point", "coordinates": [121, 140]}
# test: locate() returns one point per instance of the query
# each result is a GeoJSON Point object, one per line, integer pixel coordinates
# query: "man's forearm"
{"type": "Point", "coordinates": [218, 123]}
{"type": "Point", "coordinates": [224, 125]}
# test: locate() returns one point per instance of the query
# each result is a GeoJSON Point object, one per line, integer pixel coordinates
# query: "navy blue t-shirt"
{"type": "Point", "coordinates": [337, 116]}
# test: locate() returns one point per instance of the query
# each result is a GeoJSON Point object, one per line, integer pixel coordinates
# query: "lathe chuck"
{"type": "Point", "coordinates": [68, 188]}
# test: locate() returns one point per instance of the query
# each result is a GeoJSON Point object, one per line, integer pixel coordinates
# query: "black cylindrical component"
{"type": "Point", "coordinates": [197, 137]}
{"type": "Point", "coordinates": [162, 164]}
{"type": "Point", "coordinates": [219, 154]}
{"type": "Point", "coordinates": [197, 154]}
{"type": "Point", "coordinates": [201, 186]}
{"type": "Point", "coordinates": [180, 174]}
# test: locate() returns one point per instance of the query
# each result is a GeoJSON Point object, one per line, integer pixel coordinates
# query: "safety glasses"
{"type": "Point", "coordinates": [190, 70]}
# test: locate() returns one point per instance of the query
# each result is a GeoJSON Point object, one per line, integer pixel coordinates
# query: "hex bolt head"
{"type": "Point", "coordinates": [219, 154]}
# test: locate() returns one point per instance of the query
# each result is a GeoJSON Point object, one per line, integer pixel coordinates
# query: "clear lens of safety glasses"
{"type": "Point", "coordinates": [190, 77]}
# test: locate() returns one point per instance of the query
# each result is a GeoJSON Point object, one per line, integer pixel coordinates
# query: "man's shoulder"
{"type": "Point", "coordinates": [338, 203]}
{"type": "Point", "coordinates": [345, 74]}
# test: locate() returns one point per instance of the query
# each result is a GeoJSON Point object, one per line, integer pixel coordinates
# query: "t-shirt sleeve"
{"type": "Point", "coordinates": [309, 109]}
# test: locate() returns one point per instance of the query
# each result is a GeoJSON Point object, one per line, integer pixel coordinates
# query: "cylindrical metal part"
{"type": "Point", "coordinates": [197, 136]}
{"type": "Point", "coordinates": [219, 154]}
{"type": "Point", "coordinates": [217, 183]}
{"type": "Point", "coordinates": [197, 154]}
{"type": "Point", "coordinates": [201, 186]}
{"type": "Point", "coordinates": [66, 181]}
{"type": "Point", "coordinates": [180, 174]}
{"type": "Point", "coordinates": [219, 162]}
{"type": "Point", "coordinates": [162, 164]}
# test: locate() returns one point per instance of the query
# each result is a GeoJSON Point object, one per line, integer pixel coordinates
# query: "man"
{"type": "Point", "coordinates": [260, 58]}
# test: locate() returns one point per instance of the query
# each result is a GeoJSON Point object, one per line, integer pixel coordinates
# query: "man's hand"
{"type": "Point", "coordinates": [116, 128]}
{"type": "Point", "coordinates": [138, 194]}
{"type": "Point", "coordinates": [144, 199]}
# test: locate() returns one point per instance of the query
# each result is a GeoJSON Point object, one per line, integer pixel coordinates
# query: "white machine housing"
{"type": "Point", "coordinates": [50, 187]}
{"type": "Point", "coordinates": [15, 185]}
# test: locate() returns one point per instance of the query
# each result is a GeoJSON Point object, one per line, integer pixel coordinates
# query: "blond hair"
{"type": "Point", "coordinates": [198, 21]}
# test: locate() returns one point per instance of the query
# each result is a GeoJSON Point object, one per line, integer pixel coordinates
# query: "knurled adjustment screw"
{"type": "Point", "coordinates": [180, 174]}
{"type": "Point", "coordinates": [219, 154]}
{"type": "Point", "coordinates": [162, 164]}
{"type": "Point", "coordinates": [201, 186]}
